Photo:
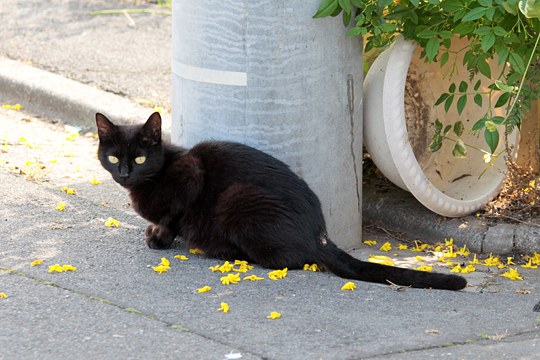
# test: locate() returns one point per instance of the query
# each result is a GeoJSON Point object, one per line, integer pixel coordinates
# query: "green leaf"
{"type": "Point", "coordinates": [485, 3]}
{"type": "Point", "coordinates": [492, 139]}
{"type": "Point", "coordinates": [510, 7]}
{"type": "Point", "coordinates": [355, 31]}
{"type": "Point", "coordinates": [447, 129]}
{"type": "Point", "coordinates": [479, 125]}
{"type": "Point", "coordinates": [452, 88]}
{"type": "Point", "coordinates": [346, 18]}
{"type": "Point", "coordinates": [499, 31]}
{"type": "Point", "coordinates": [499, 120]}
{"type": "Point", "coordinates": [427, 34]}
{"type": "Point", "coordinates": [445, 34]}
{"type": "Point", "coordinates": [464, 28]}
{"type": "Point", "coordinates": [415, 3]}
{"type": "Point", "coordinates": [448, 102]}
{"type": "Point", "coordinates": [388, 27]}
{"type": "Point", "coordinates": [460, 151]}
{"type": "Point", "coordinates": [487, 42]}
{"type": "Point", "coordinates": [432, 48]}
{"type": "Point", "coordinates": [441, 98]}
{"type": "Point", "coordinates": [474, 14]}
{"type": "Point", "coordinates": [462, 101]}
{"type": "Point", "coordinates": [436, 143]}
{"type": "Point", "coordinates": [484, 68]}
{"type": "Point", "coordinates": [502, 55]}
{"type": "Point", "coordinates": [502, 100]}
{"type": "Point", "coordinates": [444, 58]}
{"type": "Point", "coordinates": [458, 128]}
{"type": "Point", "coordinates": [477, 85]}
{"type": "Point", "coordinates": [490, 126]}
{"type": "Point", "coordinates": [490, 13]}
{"type": "Point", "coordinates": [463, 86]}
{"type": "Point", "coordinates": [478, 99]}
{"type": "Point", "coordinates": [483, 30]}
{"type": "Point", "coordinates": [451, 6]}
{"type": "Point", "coordinates": [438, 126]}
{"type": "Point", "coordinates": [502, 86]}
{"type": "Point", "coordinates": [326, 8]}
{"type": "Point", "coordinates": [345, 5]}
{"type": "Point", "coordinates": [530, 8]}
{"type": "Point", "coordinates": [517, 63]}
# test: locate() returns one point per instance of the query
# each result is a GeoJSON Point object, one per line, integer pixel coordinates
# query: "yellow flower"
{"type": "Point", "coordinates": [226, 267]}
{"type": "Point", "coordinates": [509, 261]}
{"type": "Point", "coordinates": [312, 267]}
{"type": "Point", "coordinates": [402, 247]}
{"type": "Point", "coordinates": [204, 289]}
{"type": "Point", "coordinates": [449, 242]}
{"type": "Point", "coordinates": [61, 206]}
{"type": "Point", "coordinates": [196, 251]}
{"type": "Point", "coordinates": [529, 265]}
{"type": "Point", "coordinates": [16, 107]}
{"type": "Point", "coordinates": [181, 257]}
{"type": "Point", "coordinates": [274, 315]}
{"type": "Point", "coordinates": [160, 269]}
{"type": "Point", "coordinates": [36, 262]}
{"type": "Point", "coordinates": [67, 190]}
{"type": "Point", "coordinates": [243, 266]}
{"type": "Point", "coordinates": [464, 251]}
{"type": "Point", "coordinates": [456, 269]}
{"type": "Point", "coordinates": [381, 259]}
{"type": "Point", "coordinates": [253, 278]}
{"type": "Point", "coordinates": [535, 258]}
{"type": "Point", "coordinates": [56, 268]}
{"type": "Point", "coordinates": [492, 261]}
{"type": "Point", "coordinates": [426, 268]}
{"type": "Point", "coordinates": [95, 181]}
{"type": "Point", "coordinates": [468, 269]}
{"type": "Point", "coordinates": [419, 247]}
{"type": "Point", "coordinates": [224, 307]}
{"type": "Point", "coordinates": [370, 242]}
{"type": "Point", "coordinates": [475, 261]}
{"type": "Point", "coordinates": [214, 268]}
{"type": "Point", "coordinates": [230, 279]}
{"type": "Point", "coordinates": [68, 267]}
{"type": "Point", "coordinates": [165, 262]}
{"type": "Point", "coordinates": [3, 296]}
{"type": "Point", "coordinates": [277, 274]}
{"type": "Point", "coordinates": [348, 286]}
{"type": "Point", "coordinates": [110, 222]}
{"type": "Point", "coordinates": [386, 247]}
{"type": "Point", "coordinates": [512, 274]}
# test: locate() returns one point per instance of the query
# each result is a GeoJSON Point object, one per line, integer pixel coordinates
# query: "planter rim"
{"type": "Point", "coordinates": [401, 152]}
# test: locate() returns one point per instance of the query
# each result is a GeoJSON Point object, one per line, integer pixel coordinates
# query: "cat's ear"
{"type": "Point", "coordinates": [151, 130]}
{"type": "Point", "coordinates": [106, 129]}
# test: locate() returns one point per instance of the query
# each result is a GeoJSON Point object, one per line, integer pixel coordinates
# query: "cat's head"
{"type": "Point", "coordinates": [133, 154]}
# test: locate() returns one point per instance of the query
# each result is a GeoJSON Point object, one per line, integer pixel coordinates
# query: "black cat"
{"type": "Point", "coordinates": [233, 202]}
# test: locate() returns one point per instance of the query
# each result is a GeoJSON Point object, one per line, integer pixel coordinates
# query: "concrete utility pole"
{"type": "Point", "coordinates": [264, 73]}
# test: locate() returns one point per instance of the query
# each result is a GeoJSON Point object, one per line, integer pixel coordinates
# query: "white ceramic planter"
{"type": "Point", "coordinates": [446, 185]}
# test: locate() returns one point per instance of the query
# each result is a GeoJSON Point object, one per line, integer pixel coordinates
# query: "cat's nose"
{"type": "Point", "coordinates": [124, 173]}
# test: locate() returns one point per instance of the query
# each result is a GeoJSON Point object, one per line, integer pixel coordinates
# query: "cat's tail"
{"type": "Point", "coordinates": [344, 265]}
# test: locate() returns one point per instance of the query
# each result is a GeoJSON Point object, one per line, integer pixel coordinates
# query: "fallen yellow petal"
{"type": "Point", "coordinates": [160, 269]}
{"type": "Point", "coordinates": [36, 262]}
{"type": "Point", "coordinates": [95, 181]}
{"type": "Point", "coordinates": [253, 278]}
{"type": "Point", "coordinates": [348, 286]}
{"type": "Point", "coordinates": [56, 268]}
{"type": "Point", "coordinates": [512, 274]}
{"type": "Point", "coordinates": [381, 259]}
{"type": "Point", "coordinates": [529, 265]}
{"type": "Point", "coordinates": [16, 107]}
{"type": "Point", "coordinates": [68, 267]}
{"type": "Point", "coordinates": [230, 279]}
{"type": "Point", "coordinates": [274, 315]}
{"type": "Point", "coordinates": [468, 269]}
{"type": "Point", "coordinates": [402, 247]}
{"type": "Point", "coordinates": [456, 269]}
{"type": "Point", "coordinates": [61, 206]}
{"type": "Point", "coordinates": [312, 267]}
{"type": "Point", "coordinates": [110, 222]}
{"type": "Point", "coordinates": [224, 307]}
{"type": "Point", "coordinates": [386, 247]}
{"type": "Point", "coordinates": [370, 242]}
{"type": "Point", "coordinates": [3, 296]}
{"type": "Point", "coordinates": [475, 261]}
{"type": "Point", "coordinates": [426, 268]}
{"type": "Point", "coordinates": [277, 274]}
{"type": "Point", "coordinates": [181, 257]}
{"type": "Point", "coordinates": [204, 289]}
{"type": "Point", "coordinates": [67, 190]}
{"type": "Point", "coordinates": [165, 262]}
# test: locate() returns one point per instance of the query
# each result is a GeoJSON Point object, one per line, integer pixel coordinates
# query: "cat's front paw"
{"type": "Point", "coordinates": [158, 237]}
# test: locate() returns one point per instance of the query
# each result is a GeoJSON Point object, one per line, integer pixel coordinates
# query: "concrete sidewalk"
{"type": "Point", "coordinates": [115, 306]}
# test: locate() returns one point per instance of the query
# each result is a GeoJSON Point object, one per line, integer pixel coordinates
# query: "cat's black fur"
{"type": "Point", "coordinates": [234, 202]}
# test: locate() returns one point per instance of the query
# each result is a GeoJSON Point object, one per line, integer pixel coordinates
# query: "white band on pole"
{"type": "Point", "coordinates": [210, 76]}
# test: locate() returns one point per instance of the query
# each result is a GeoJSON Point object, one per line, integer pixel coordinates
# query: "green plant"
{"type": "Point", "coordinates": [508, 30]}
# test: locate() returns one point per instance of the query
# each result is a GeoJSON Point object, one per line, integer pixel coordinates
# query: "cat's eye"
{"type": "Point", "coordinates": [140, 160]}
{"type": "Point", "coordinates": [113, 159]}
